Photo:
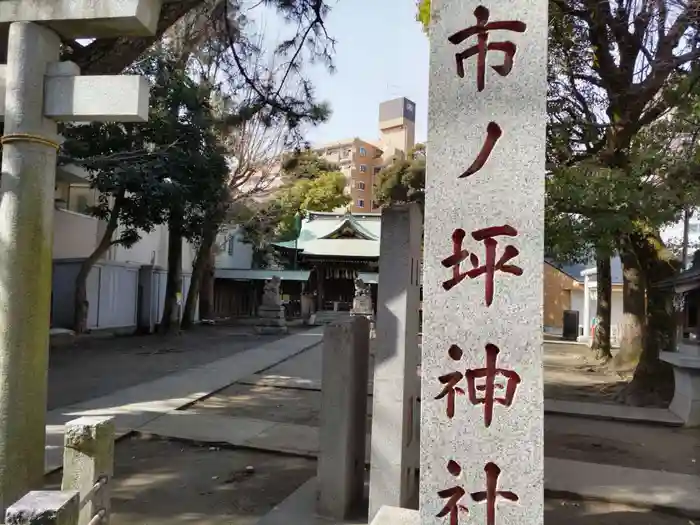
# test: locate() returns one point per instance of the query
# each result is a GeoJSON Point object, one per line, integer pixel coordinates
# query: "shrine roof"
{"type": "Point", "coordinates": [262, 275]}
{"type": "Point", "coordinates": [338, 234]}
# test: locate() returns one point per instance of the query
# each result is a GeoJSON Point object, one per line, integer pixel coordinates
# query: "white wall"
{"type": "Point", "coordinates": [233, 253]}
{"type": "Point", "coordinates": [74, 234]}
{"type": "Point", "coordinates": [152, 248]}
{"type": "Point", "coordinates": [615, 307]}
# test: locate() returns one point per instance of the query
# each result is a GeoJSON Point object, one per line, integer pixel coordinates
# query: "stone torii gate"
{"type": "Point", "coordinates": [40, 91]}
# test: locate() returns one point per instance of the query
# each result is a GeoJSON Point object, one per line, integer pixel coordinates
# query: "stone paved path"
{"type": "Point", "coordinates": [93, 366]}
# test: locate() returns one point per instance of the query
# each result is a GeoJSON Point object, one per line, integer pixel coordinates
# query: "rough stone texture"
{"type": "Point", "coordinates": [45, 508]}
{"type": "Point", "coordinates": [396, 516]}
{"type": "Point", "coordinates": [343, 417]}
{"type": "Point", "coordinates": [686, 396]}
{"type": "Point", "coordinates": [26, 230]}
{"type": "Point", "coordinates": [80, 19]}
{"type": "Point", "coordinates": [395, 439]}
{"type": "Point", "coordinates": [508, 190]}
{"type": "Point", "coordinates": [271, 292]}
{"type": "Point", "coordinates": [71, 98]}
{"type": "Point", "coordinates": [88, 456]}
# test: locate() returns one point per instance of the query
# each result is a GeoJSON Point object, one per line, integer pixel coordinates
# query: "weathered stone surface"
{"type": "Point", "coordinates": [395, 449]}
{"type": "Point", "coordinates": [45, 508]}
{"type": "Point", "coordinates": [271, 292]}
{"type": "Point", "coordinates": [396, 516]}
{"type": "Point", "coordinates": [460, 450]}
{"type": "Point", "coordinates": [271, 330]}
{"type": "Point", "coordinates": [686, 396]}
{"type": "Point", "coordinates": [81, 19]}
{"type": "Point", "coordinates": [26, 218]}
{"type": "Point", "coordinates": [88, 457]}
{"type": "Point", "coordinates": [270, 322]}
{"type": "Point", "coordinates": [341, 460]}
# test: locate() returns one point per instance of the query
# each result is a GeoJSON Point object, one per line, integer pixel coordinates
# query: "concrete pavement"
{"type": "Point", "coordinates": [136, 406]}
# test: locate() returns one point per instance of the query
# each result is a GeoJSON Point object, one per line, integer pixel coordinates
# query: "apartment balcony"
{"type": "Point", "coordinates": [71, 174]}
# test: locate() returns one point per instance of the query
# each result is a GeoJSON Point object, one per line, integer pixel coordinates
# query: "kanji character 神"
{"type": "Point", "coordinates": [481, 29]}
{"type": "Point", "coordinates": [489, 373]}
{"type": "Point", "coordinates": [453, 495]}
{"type": "Point", "coordinates": [490, 494]}
{"type": "Point", "coordinates": [490, 266]}
{"type": "Point", "coordinates": [493, 133]}
{"type": "Point", "coordinates": [450, 381]}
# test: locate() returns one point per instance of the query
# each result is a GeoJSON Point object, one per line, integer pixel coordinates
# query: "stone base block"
{"type": "Point", "coordinates": [270, 322]}
{"type": "Point", "coordinates": [271, 330]}
{"type": "Point", "coordinates": [686, 397]}
{"type": "Point", "coordinates": [396, 516]}
{"type": "Point", "coordinates": [271, 312]}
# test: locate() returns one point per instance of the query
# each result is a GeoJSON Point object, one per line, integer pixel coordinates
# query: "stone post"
{"type": "Point", "coordinates": [341, 461]}
{"type": "Point", "coordinates": [482, 407]}
{"type": "Point", "coordinates": [88, 463]}
{"type": "Point", "coordinates": [395, 450]}
{"type": "Point", "coordinates": [45, 508]}
{"type": "Point", "coordinates": [38, 92]}
{"type": "Point", "coordinates": [26, 230]}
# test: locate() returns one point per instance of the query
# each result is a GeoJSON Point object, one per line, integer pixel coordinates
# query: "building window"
{"type": "Point", "coordinates": [229, 248]}
{"type": "Point", "coordinates": [363, 152]}
{"type": "Point", "coordinates": [375, 205]}
{"type": "Point", "coordinates": [363, 168]}
{"type": "Point", "coordinates": [361, 186]}
{"type": "Point", "coordinates": [360, 203]}
{"type": "Point", "coordinates": [345, 154]}
{"type": "Point", "coordinates": [377, 169]}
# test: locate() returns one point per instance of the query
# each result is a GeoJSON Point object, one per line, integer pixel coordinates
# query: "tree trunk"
{"type": "Point", "coordinates": [633, 309]}
{"type": "Point", "coordinates": [652, 383]}
{"type": "Point", "coordinates": [81, 306]}
{"type": "Point", "coordinates": [601, 338]}
{"type": "Point", "coordinates": [173, 287]}
{"type": "Point", "coordinates": [200, 266]}
{"type": "Point", "coordinates": [206, 292]}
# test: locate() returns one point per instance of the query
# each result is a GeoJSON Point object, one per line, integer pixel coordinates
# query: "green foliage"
{"type": "Point", "coordinates": [403, 180]}
{"type": "Point", "coordinates": [305, 164]}
{"type": "Point", "coordinates": [322, 193]}
{"type": "Point", "coordinates": [423, 14]}
{"type": "Point", "coordinates": [309, 189]}
{"type": "Point", "coordinates": [146, 172]}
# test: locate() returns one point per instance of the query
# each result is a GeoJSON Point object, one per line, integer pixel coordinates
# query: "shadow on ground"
{"type": "Point", "coordinates": [159, 482]}
{"type": "Point", "coordinates": [559, 512]}
{"type": "Point", "coordinates": [94, 366]}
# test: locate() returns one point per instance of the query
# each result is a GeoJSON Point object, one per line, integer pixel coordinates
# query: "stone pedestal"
{"type": "Point", "coordinates": [271, 320]}
{"type": "Point", "coordinates": [686, 397]}
{"type": "Point", "coordinates": [341, 461]}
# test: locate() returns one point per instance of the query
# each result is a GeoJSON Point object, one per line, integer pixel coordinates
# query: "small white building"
{"type": "Point", "coordinates": [126, 288]}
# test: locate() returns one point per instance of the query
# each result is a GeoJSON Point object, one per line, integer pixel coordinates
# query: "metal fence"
{"type": "Point", "coordinates": [84, 498]}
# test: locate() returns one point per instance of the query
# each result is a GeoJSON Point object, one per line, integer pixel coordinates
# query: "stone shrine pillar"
{"type": "Point", "coordinates": [271, 318]}
{"type": "Point", "coordinates": [39, 91]}
{"type": "Point", "coordinates": [395, 443]}
{"type": "Point", "coordinates": [482, 394]}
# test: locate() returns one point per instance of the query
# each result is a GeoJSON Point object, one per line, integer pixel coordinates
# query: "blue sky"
{"type": "Point", "coordinates": [381, 53]}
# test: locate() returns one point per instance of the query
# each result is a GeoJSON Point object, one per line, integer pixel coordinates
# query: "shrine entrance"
{"type": "Point", "coordinates": [333, 282]}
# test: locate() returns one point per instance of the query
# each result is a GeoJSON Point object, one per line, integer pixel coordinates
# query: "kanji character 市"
{"type": "Point", "coordinates": [481, 29]}
{"type": "Point", "coordinates": [490, 494]}
{"type": "Point", "coordinates": [490, 266]}
{"type": "Point", "coordinates": [489, 374]}
{"type": "Point", "coordinates": [452, 495]}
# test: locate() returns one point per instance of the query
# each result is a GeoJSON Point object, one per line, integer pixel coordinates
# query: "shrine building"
{"type": "Point", "coordinates": [336, 248]}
